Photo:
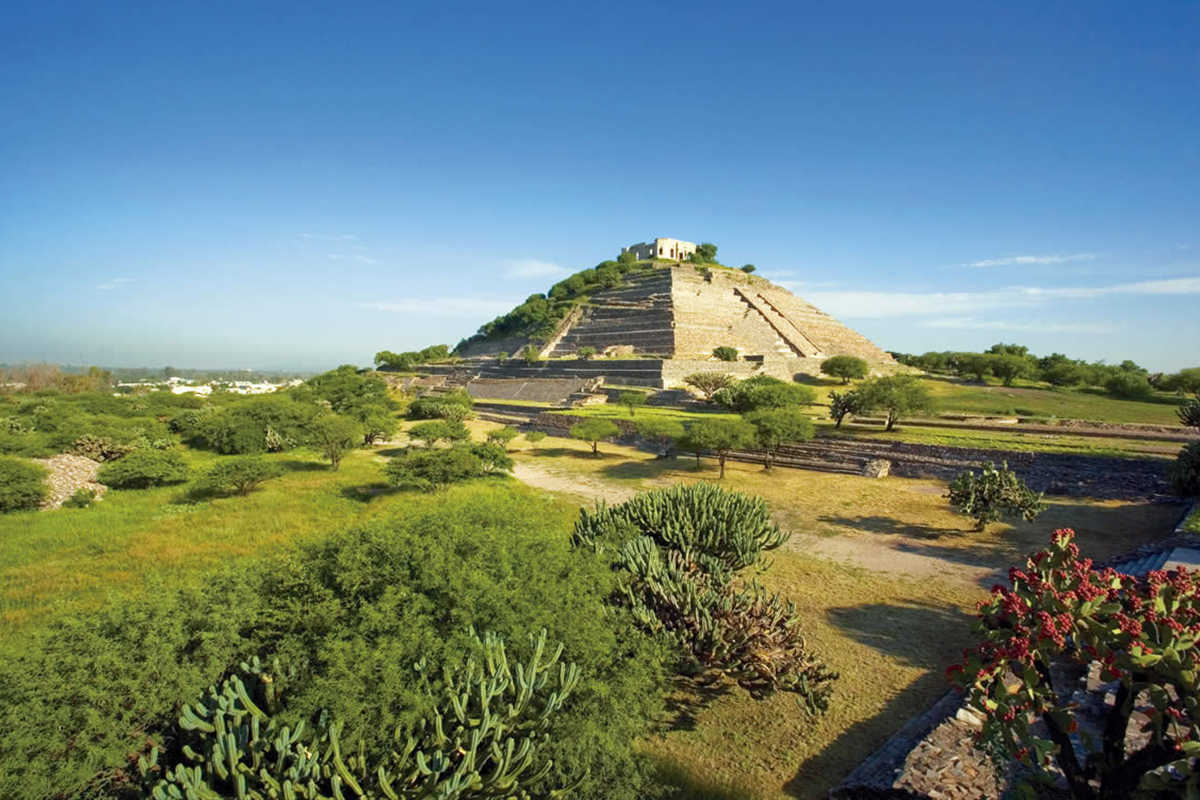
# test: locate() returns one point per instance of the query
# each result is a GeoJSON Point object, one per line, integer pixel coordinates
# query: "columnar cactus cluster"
{"type": "Point", "coordinates": [1142, 632]}
{"type": "Point", "coordinates": [681, 550]}
{"type": "Point", "coordinates": [481, 740]}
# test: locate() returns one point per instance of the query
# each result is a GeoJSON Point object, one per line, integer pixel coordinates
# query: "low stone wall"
{"type": "Point", "coordinates": [1054, 473]}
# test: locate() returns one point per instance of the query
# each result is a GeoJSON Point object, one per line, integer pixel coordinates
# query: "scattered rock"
{"type": "Point", "coordinates": [68, 474]}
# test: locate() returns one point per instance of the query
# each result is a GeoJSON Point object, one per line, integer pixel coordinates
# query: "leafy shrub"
{"type": "Point", "coordinates": [679, 551]}
{"type": "Point", "coordinates": [241, 428]}
{"type": "Point", "coordinates": [845, 367]}
{"type": "Point", "coordinates": [431, 470]}
{"type": "Point", "coordinates": [1189, 413]}
{"type": "Point", "coordinates": [99, 448]}
{"type": "Point", "coordinates": [533, 437]}
{"type": "Point", "coordinates": [593, 431]}
{"type": "Point", "coordinates": [763, 391]}
{"type": "Point", "coordinates": [747, 268]}
{"type": "Point", "coordinates": [531, 354]}
{"type": "Point", "coordinates": [334, 436]}
{"type": "Point", "coordinates": [1184, 472]}
{"type": "Point", "coordinates": [725, 353]}
{"type": "Point", "coordinates": [660, 431]}
{"type": "Point", "coordinates": [144, 469]}
{"type": "Point", "coordinates": [1142, 631]}
{"type": "Point", "coordinates": [719, 436]}
{"type": "Point", "coordinates": [503, 436]}
{"type": "Point", "coordinates": [348, 615]}
{"type": "Point", "coordinates": [632, 400]}
{"type": "Point", "coordinates": [453, 405]}
{"type": "Point", "coordinates": [842, 405]}
{"type": "Point", "coordinates": [22, 484]}
{"type": "Point", "coordinates": [776, 428]}
{"type": "Point", "coordinates": [708, 383]}
{"type": "Point", "coordinates": [1128, 385]}
{"type": "Point", "coordinates": [994, 494]}
{"type": "Point", "coordinates": [240, 474]}
{"type": "Point", "coordinates": [897, 396]}
{"type": "Point", "coordinates": [438, 430]}
{"type": "Point", "coordinates": [585, 353]}
{"type": "Point", "coordinates": [80, 498]}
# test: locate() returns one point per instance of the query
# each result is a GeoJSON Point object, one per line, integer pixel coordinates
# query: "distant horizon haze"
{"type": "Point", "coordinates": [296, 186]}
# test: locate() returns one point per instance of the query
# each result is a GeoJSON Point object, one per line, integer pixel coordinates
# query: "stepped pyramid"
{"type": "Point", "coordinates": [680, 312]}
{"type": "Point", "coordinates": [664, 323]}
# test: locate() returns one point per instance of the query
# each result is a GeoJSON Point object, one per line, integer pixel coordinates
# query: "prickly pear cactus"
{"type": "Point", "coordinates": [481, 741]}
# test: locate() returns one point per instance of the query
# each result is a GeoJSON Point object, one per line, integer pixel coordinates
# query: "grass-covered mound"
{"type": "Point", "coordinates": [352, 613]}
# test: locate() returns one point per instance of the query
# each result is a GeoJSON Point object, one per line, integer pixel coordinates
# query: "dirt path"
{"type": "Point", "coordinates": [887, 554]}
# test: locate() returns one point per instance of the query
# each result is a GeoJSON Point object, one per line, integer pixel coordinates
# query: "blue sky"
{"type": "Point", "coordinates": [296, 185]}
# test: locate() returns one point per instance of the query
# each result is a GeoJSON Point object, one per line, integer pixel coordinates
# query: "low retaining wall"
{"type": "Point", "coordinates": [1054, 473]}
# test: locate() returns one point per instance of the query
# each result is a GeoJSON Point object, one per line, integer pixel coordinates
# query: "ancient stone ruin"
{"type": "Point", "coordinates": [662, 325]}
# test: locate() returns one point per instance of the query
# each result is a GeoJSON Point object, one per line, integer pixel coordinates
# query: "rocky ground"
{"type": "Point", "coordinates": [68, 474]}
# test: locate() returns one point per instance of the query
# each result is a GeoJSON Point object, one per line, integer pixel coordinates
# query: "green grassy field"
{"type": "Point", "coordinates": [70, 557]}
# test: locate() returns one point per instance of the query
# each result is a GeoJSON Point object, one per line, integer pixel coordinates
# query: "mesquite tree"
{"type": "Point", "coordinates": [480, 739]}
{"type": "Point", "coordinates": [681, 551]}
{"type": "Point", "coordinates": [842, 405]}
{"type": "Point", "coordinates": [1142, 631]}
{"type": "Point", "coordinates": [776, 428]}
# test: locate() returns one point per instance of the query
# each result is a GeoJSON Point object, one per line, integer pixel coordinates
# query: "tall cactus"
{"type": "Point", "coordinates": [708, 519]}
{"type": "Point", "coordinates": [481, 739]}
{"type": "Point", "coordinates": [681, 550]}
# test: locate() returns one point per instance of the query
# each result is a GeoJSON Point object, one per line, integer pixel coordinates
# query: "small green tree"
{"type": "Point", "coordinates": [706, 253]}
{"type": "Point", "coordinates": [847, 368]}
{"type": "Point", "coordinates": [631, 401]}
{"type": "Point", "coordinates": [977, 364]}
{"type": "Point", "coordinates": [144, 469]}
{"type": "Point", "coordinates": [1010, 367]}
{"type": "Point", "coordinates": [431, 470]}
{"type": "Point", "coordinates": [722, 437]}
{"type": "Point", "coordinates": [1184, 472]}
{"type": "Point", "coordinates": [725, 353]}
{"type": "Point", "coordinates": [1128, 385]}
{"type": "Point", "coordinates": [333, 436]}
{"type": "Point", "coordinates": [503, 436]}
{"type": "Point", "coordinates": [994, 494]}
{"type": "Point", "coordinates": [627, 257]}
{"type": "Point", "coordinates": [377, 421]}
{"type": "Point", "coordinates": [747, 268]}
{"type": "Point", "coordinates": [897, 396]}
{"type": "Point", "coordinates": [763, 391]}
{"type": "Point", "coordinates": [709, 383]}
{"type": "Point", "coordinates": [776, 428]}
{"type": "Point", "coordinates": [533, 437]}
{"type": "Point", "coordinates": [842, 405]}
{"type": "Point", "coordinates": [1189, 413]}
{"type": "Point", "coordinates": [593, 431]}
{"type": "Point", "coordinates": [240, 474]}
{"type": "Point", "coordinates": [22, 484]}
{"type": "Point", "coordinates": [660, 431]}
{"type": "Point", "coordinates": [438, 430]}
{"type": "Point", "coordinates": [531, 354]}
{"type": "Point", "coordinates": [585, 353]}
{"type": "Point", "coordinates": [502, 357]}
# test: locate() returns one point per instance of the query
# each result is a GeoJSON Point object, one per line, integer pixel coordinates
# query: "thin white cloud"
{"type": "Point", "coordinates": [324, 237]}
{"type": "Point", "coordinates": [532, 268]}
{"type": "Point", "coordinates": [122, 280]}
{"type": "Point", "coordinates": [1027, 326]}
{"type": "Point", "coordinates": [1029, 260]}
{"type": "Point", "coordinates": [905, 304]}
{"type": "Point", "coordinates": [796, 286]}
{"type": "Point", "coordinates": [357, 259]}
{"type": "Point", "coordinates": [468, 307]}
{"type": "Point", "coordinates": [106, 286]}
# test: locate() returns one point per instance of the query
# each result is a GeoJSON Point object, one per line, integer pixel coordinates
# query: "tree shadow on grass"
{"type": "Point", "coordinates": [887, 525]}
{"type": "Point", "coordinates": [296, 465]}
{"type": "Point", "coordinates": [392, 452]}
{"type": "Point", "coordinates": [368, 492]}
{"type": "Point", "coordinates": [629, 470]}
{"type": "Point", "coordinates": [925, 635]}
{"type": "Point", "coordinates": [690, 696]}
